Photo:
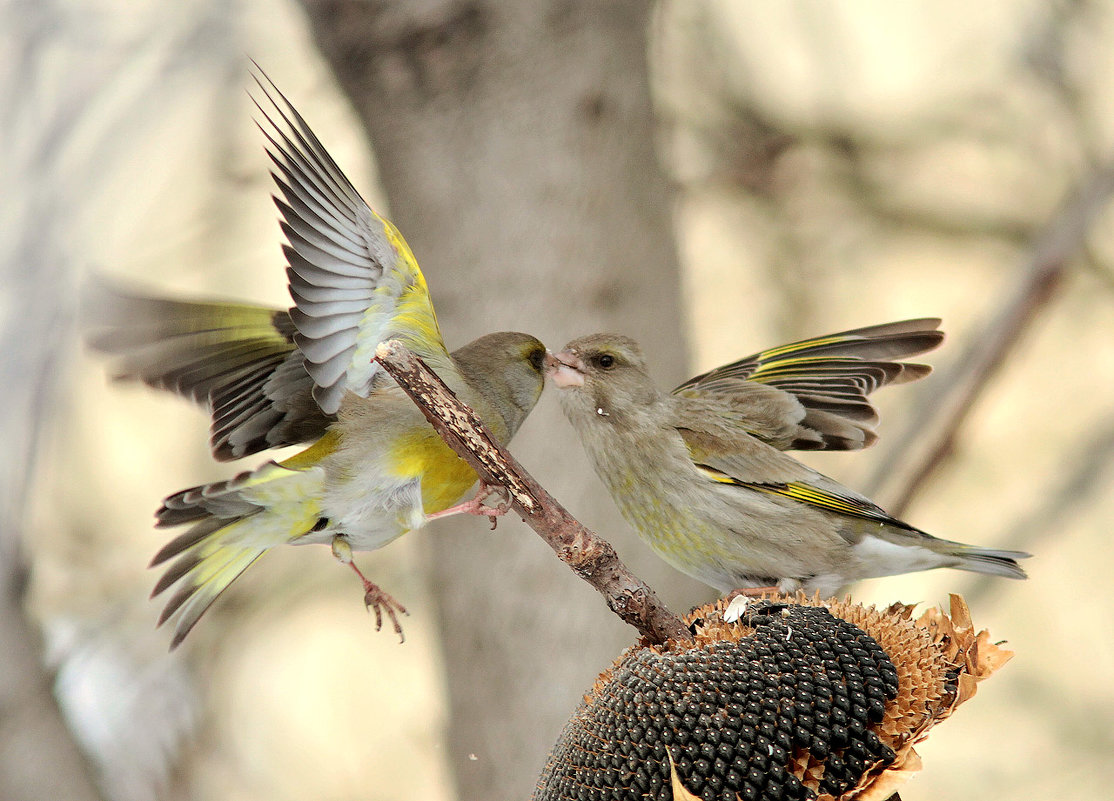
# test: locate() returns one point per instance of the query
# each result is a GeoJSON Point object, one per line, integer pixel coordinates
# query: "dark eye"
{"type": "Point", "coordinates": [606, 361]}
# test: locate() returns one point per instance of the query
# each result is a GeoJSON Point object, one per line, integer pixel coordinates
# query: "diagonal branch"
{"type": "Point", "coordinates": [1088, 476]}
{"type": "Point", "coordinates": [936, 423]}
{"type": "Point", "coordinates": [590, 557]}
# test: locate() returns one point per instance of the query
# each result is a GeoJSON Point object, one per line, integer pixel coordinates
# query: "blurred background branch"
{"type": "Point", "coordinates": [929, 435]}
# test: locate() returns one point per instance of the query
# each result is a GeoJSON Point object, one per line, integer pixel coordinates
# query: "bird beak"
{"type": "Point", "coordinates": [565, 369]}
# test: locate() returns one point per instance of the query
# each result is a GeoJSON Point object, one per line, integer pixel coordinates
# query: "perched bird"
{"type": "Point", "coordinates": [375, 469]}
{"type": "Point", "coordinates": [701, 473]}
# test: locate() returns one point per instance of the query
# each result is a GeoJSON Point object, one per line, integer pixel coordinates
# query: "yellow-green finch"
{"type": "Point", "coordinates": [273, 377]}
{"type": "Point", "coordinates": [701, 475]}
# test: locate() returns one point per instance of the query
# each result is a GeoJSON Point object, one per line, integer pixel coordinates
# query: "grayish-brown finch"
{"type": "Point", "coordinates": [701, 474]}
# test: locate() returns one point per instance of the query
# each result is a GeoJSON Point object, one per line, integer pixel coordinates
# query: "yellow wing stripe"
{"type": "Point", "coordinates": [801, 361]}
{"type": "Point", "coordinates": [717, 475]}
{"type": "Point", "coordinates": [414, 317]}
{"type": "Point", "coordinates": [773, 353]}
{"type": "Point", "coordinates": [415, 321]}
{"type": "Point", "coordinates": [805, 493]}
{"type": "Point", "coordinates": [816, 497]}
{"type": "Point", "coordinates": [402, 248]}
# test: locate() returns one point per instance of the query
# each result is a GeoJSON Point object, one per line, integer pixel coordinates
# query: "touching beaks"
{"type": "Point", "coordinates": [565, 369]}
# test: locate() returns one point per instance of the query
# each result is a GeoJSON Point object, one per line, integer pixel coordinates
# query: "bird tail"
{"type": "Point", "coordinates": [233, 523]}
{"type": "Point", "coordinates": [990, 561]}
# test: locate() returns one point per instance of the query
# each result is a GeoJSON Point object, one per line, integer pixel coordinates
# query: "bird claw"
{"type": "Point", "coordinates": [375, 598]}
{"type": "Point", "coordinates": [476, 506]}
{"type": "Point", "coordinates": [383, 603]}
{"type": "Point", "coordinates": [493, 513]}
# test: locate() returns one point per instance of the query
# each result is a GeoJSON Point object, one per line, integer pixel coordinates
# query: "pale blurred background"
{"type": "Point", "coordinates": [833, 165]}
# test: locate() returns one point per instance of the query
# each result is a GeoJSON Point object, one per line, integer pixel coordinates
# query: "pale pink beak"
{"type": "Point", "coordinates": [565, 369]}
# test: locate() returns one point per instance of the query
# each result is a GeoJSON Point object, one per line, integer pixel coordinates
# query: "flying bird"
{"type": "Point", "coordinates": [372, 468]}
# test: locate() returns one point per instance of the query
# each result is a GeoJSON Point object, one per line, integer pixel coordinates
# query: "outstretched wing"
{"type": "Point", "coordinates": [238, 359]}
{"type": "Point", "coordinates": [275, 377]}
{"type": "Point", "coordinates": [829, 377]}
{"type": "Point", "coordinates": [353, 279]}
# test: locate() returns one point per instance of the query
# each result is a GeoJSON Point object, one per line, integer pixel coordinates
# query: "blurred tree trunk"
{"type": "Point", "coordinates": [39, 758]}
{"type": "Point", "coordinates": [515, 143]}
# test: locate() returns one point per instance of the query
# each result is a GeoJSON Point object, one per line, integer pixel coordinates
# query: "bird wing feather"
{"type": "Point", "coordinates": [353, 278]}
{"type": "Point", "coordinates": [829, 377]}
{"type": "Point", "coordinates": [238, 359]}
{"type": "Point", "coordinates": [273, 377]}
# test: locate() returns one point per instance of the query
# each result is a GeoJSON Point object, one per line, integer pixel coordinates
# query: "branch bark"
{"type": "Point", "coordinates": [590, 557]}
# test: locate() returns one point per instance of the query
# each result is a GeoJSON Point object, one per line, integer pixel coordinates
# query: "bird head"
{"type": "Point", "coordinates": [602, 376]}
{"type": "Point", "coordinates": [507, 369]}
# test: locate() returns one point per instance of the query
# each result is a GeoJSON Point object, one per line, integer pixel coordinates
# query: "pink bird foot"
{"type": "Point", "coordinates": [476, 506]}
{"type": "Point", "coordinates": [382, 603]}
{"type": "Point", "coordinates": [374, 596]}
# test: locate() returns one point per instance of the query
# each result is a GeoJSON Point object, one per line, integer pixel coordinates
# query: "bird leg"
{"type": "Point", "coordinates": [374, 596]}
{"type": "Point", "coordinates": [476, 506]}
{"type": "Point", "coordinates": [382, 602]}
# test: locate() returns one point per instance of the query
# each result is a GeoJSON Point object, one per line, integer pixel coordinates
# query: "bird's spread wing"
{"type": "Point", "coordinates": [830, 377]}
{"type": "Point", "coordinates": [354, 281]}
{"type": "Point", "coordinates": [238, 359]}
{"type": "Point", "coordinates": [273, 377]}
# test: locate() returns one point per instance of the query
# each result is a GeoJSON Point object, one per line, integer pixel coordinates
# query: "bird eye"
{"type": "Point", "coordinates": [606, 361]}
